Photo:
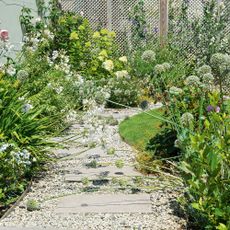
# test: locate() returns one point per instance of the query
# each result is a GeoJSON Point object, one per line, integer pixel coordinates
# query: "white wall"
{"type": "Point", "coordinates": [9, 18]}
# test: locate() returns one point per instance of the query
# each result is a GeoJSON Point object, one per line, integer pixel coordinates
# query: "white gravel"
{"type": "Point", "coordinates": [52, 186]}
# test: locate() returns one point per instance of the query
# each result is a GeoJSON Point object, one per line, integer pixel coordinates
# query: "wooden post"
{"type": "Point", "coordinates": [163, 22]}
{"type": "Point", "coordinates": [109, 15]}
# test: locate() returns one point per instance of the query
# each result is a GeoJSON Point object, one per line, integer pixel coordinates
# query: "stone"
{"type": "Point", "coordinates": [104, 203]}
{"type": "Point", "coordinates": [107, 172]}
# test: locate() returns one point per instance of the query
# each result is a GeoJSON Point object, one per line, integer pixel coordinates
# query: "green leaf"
{"type": "Point", "coordinates": [207, 124]}
{"type": "Point", "coordinates": [218, 212]}
{"type": "Point", "coordinates": [222, 227]}
{"type": "Point", "coordinates": [196, 206]}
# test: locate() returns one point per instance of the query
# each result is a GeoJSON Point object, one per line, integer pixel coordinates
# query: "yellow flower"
{"type": "Point", "coordinates": [88, 44]}
{"type": "Point", "coordinates": [62, 20]}
{"type": "Point", "coordinates": [74, 36]}
{"type": "Point", "coordinates": [96, 35]}
{"type": "Point", "coordinates": [103, 53]}
{"type": "Point", "coordinates": [101, 58]}
{"type": "Point", "coordinates": [108, 65]}
{"type": "Point", "coordinates": [81, 27]}
{"type": "Point", "coordinates": [104, 31]}
{"type": "Point", "coordinates": [123, 59]}
{"type": "Point", "coordinates": [112, 34]}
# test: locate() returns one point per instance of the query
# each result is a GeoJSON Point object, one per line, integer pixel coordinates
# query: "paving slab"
{"type": "Point", "coordinates": [65, 152]}
{"type": "Point", "coordinates": [100, 173]}
{"type": "Point", "coordinates": [28, 228]}
{"type": "Point", "coordinates": [104, 203]}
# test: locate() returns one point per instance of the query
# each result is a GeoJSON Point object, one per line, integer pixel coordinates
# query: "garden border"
{"type": "Point", "coordinates": [7, 213]}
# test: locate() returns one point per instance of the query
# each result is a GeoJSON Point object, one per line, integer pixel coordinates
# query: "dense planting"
{"type": "Point", "coordinates": [66, 68]}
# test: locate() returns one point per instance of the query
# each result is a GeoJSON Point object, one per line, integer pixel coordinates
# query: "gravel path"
{"type": "Point", "coordinates": [101, 147]}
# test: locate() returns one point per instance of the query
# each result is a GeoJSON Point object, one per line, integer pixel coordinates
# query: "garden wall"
{"type": "Point", "coordinates": [9, 18]}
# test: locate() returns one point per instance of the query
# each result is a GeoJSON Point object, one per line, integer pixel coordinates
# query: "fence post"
{"type": "Point", "coordinates": [163, 22]}
{"type": "Point", "coordinates": [109, 15]}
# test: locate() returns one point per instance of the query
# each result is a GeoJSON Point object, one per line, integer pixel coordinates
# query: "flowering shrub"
{"type": "Point", "coordinates": [124, 91]}
{"type": "Point", "coordinates": [72, 47]}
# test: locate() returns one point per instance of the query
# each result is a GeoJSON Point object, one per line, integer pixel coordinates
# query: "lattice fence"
{"type": "Point", "coordinates": [114, 14]}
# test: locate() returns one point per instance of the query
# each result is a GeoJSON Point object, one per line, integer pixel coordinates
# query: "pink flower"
{"type": "Point", "coordinates": [217, 109]}
{"type": "Point", "coordinates": [4, 35]}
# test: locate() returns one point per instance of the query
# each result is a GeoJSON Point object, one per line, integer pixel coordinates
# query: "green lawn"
{"type": "Point", "coordinates": [139, 129]}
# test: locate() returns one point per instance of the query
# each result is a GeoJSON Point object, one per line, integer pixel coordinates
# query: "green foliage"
{"type": "Point", "coordinates": [23, 140]}
{"type": "Point", "coordinates": [125, 92]}
{"type": "Point", "coordinates": [32, 205]}
{"type": "Point", "coordinates": [119, 164]}
{"type": "Point", "coordinates": [205, 168]}
{"type": "Point", "coordinates": [162, 145]}
{"type": "Point", "coordinates": [199, 37]}
{"type": "Point", "coordinates": [202, 125]}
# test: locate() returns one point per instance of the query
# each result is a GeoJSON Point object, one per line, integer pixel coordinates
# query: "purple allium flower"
{"type": "Point", "coordinates": [155, 30]}
{"type": "Point", "coordinates": [210, 108]}
{"type": "Point", "coordinates": [217, 109]}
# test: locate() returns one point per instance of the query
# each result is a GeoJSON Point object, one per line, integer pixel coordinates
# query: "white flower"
{"type": "Point", "coordinates": [204, 69]}
{"type": "Point", "coordinates": [221, 5]}
{"type": "Point", "coordinates": [122, 74]}
{"type": "Point", "coordinates": [55, 55]}
{"type": "Point", "coordinates": [38, 19]}
{"type": "Point", "coordinates": [159, 69]}
{"type": "Point", "coordinates": [22, 75]}
{"type": "Point", "coordinates": [26, 108]}
{"type": "Point", "coordinates": [192, 80]}
{"type": "Point", "coordinates": [11, 70]}
{"type": "Point", "coordinates": [123, 59]}
{"type": "Point", "coordinates": [149, 56]}
{"type": "Point", "coordinates": [59, 90]}
{"type": "Point", "coordinates": [4, 147]}
{"type": "Point", "coordinates": [108, 65]}
{"type": "Point", "coordinates": [175, 91]}
{"type": "Point", "coordinates": [187, 118]}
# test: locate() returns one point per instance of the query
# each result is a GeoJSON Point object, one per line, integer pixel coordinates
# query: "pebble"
{"type": "Point", "coordinates": [49, 188]}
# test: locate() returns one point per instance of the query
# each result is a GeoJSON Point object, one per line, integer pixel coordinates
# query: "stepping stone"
{"type": "Point", "coordinates": [93, 153]}
{"type": "Point", "coordinates": [28, 228]}
{"type": "Point", "coordinates": [100, 173]}
{"type": "Point", "coordinates": [60, 153]}
{"type": "Point", "coordinates": [104, 203]}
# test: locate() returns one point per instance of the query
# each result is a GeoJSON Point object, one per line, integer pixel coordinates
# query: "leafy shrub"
{"type": "Point", "coordinates": [197, 111]}
{"type": "Point", "coordinates": [205, 168]}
